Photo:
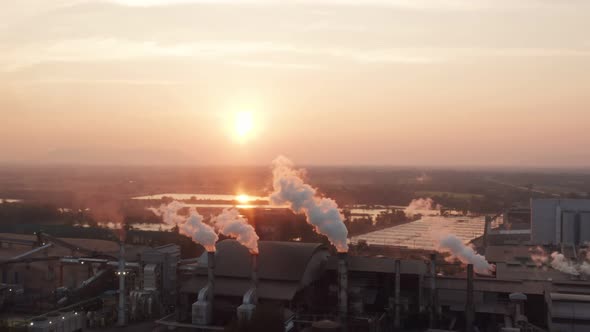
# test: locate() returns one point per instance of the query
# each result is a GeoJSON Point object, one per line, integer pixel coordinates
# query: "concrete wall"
{"type": "Point", "coordinates": [557, 221]}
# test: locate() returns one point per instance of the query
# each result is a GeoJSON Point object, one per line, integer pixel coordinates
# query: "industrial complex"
{"type": "Point", "coordinates": [538, 280]}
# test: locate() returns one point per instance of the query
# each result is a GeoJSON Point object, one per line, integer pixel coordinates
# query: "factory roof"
{"type": "Point", "coordinates": [286, 261]}
{"type": "Point", "coordinates": [418, 234]}
{"type": "Point", "coordinates": [18, 244]}
{"type": "Point", "coordinates": [283, 269]}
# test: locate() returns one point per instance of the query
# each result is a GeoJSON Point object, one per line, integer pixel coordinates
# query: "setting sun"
{"type": "Point", "coordinates": [243, 125]}
{"type": "Point", "coordinates": [243, 198]}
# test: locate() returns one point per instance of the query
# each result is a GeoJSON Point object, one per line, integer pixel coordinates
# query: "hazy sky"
{"type": "Point", "coordinates": [400, 82]}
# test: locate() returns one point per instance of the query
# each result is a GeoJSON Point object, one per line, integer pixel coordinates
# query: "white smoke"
{"type": "Point", "coordinates": [231, 223]}
{"type": "Point", "coordinates": [191, 226]}
{"type": "Point", "coordinates": [539, 256]}
{"type": "Point", "coordinates": [453, 245]}
{"type": "Point", "coordinates": [421, 205]}
{"type": "Point", "coordinates": [321, 212]}
{"type": "Point", "coordinates": [199, 231]}
{"type": "Point", "coordinates": [560, 263]}
{"type": "Point", "coordinates": [169, 212]}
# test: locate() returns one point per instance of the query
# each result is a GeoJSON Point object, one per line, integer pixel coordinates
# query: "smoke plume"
{"type": "Point", "coordinates": [169, 212]}
{"type": "Point", "coordinates": [420, 205]}
{"type": "Point", "coordinates": [200, 232]}
{"type": "Point", "coordinates": [322, 213]}
{"type": "Point", "coordinates": [231, 223]}
{"type": "Point", "coordinates": [539, 256]}
{"type": "Point", "coordinates": [560, 263]}
{"type": "Point", "coordinates": [191, 226]}
{"type": "Point", "coordinates": [453, 245]}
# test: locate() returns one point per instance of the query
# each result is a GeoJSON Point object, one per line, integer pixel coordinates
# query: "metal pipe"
{"type": "Point", "coordinates": [211, 268]}
{"type": "Point", "coordinates": [396, 322]}
{"type": "Point", "coordinates": [433, 309]}
{"type": "Point", "coordinates": [255, 271]}
{"type": "Point", "coordinates": [121, 272]}
{"type": "Point", "coordinates": [342, 286]}
{"type": "Point", "coordinates": [469, 310]}
{"type": "Point", "coordinates": [32, 252]}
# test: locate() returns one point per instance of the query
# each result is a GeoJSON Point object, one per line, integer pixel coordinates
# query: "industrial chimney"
{"type": "Point", "coordinates": [433, 307]}
{"type": "Point", "coordinates": [469, 311]}
{"type": "Point", "coordinates": [250, 299]}
{"type": "Point", "coordinates": [202, 310]}
{"type": "Point", "coordinates": [342, 286]}
{"type": "Point", "coordinates": [121, 273]}
{"type": "Point", "coordinates": [211, 271]}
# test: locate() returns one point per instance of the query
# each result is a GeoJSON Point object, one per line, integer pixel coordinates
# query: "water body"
{"type": "Point", "coordinates": [205, 197]}
{"type": "Point", "coordinates": [8, 200]}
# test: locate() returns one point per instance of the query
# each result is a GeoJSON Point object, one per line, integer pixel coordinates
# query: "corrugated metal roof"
{"type": "Point", "coordinates": [417, 234]}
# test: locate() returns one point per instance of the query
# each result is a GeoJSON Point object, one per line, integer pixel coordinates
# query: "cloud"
{"type": "Point", "coordinates": [405, 4]}
{"type": "Point", "coordinates": [234, 52]}
{"type": "Point", "coordinates": [230, 52]}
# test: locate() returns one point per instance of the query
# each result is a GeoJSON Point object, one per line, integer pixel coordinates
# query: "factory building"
{"type": "Point", "coordinates": [288, 276]}
{"type": "Point", "coordinates": [560, 221]}
{"type": "Point", "coordinates": [315, 288]}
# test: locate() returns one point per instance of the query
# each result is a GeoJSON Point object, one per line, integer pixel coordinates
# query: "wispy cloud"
{"type": "Point", "coordinates": [409, 4]}
{"type": "Point", "coordinates": [232, 52]}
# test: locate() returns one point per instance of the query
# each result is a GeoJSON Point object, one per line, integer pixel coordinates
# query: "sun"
{"type": "Point", "coordinates": [243, 125]}
{"type": "Point", "coordinates": [243, 198]}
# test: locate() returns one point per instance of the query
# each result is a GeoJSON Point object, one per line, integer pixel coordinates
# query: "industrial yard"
{"type": "Point", "coordinates": [535, 279]}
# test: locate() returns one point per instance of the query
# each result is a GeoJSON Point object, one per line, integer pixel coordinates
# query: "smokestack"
{"type": "Point", "coordinates": [396, 322]}
{"type": "Point", "coordinates": [486, 230]}
{"type": "Point", "coordinates": [121, 273]}
{"type": "Point", "coordinates": [255, 271]}
{"type": "Point", "coordinates": [250, 299]}
{"type": "Point", "coordinates": [342, 286]}
{"type": "Point", "coordinates": [202, 310]}
{"type": "Point", "coordinates": [469, 310]}
{"type": "Point", "coordinates": [211, 272]}
{"type": "Point", "coordinates": [433, 309]}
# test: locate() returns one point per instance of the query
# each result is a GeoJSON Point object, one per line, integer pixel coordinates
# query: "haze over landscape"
{"type": "Point", "coordinates": [330, 82]}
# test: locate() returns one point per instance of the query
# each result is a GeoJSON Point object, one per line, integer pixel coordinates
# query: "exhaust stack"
{"type": "Point", "coordinates": [250, 299]}
{"type": "Point", "coordinates": [211, 271]}
{"type": "Point", "coordinates": [433, 306]}
{"type": "Point", "coordinates": [121, 273]}
{"type": "Point", "coordinates": [469, 311]}
{"type": "Point", "coordinates": [342, 286]}
{"type": "Point", "coordinates": [202, 310]}
{"type": "Point", "coordinates": [397, 322]}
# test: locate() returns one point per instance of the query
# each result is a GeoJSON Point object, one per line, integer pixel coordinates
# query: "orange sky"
{"type": "Point", "coordinates": [397, 82]}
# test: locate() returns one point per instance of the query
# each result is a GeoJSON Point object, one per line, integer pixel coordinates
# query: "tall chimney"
{"type": "Point", "coordinates": [433, 308]}
{"type": "Point", "coordinates": [342, 286]}
{"type": "Point", "coordinates": [486, 230]}
{"type": "Point", "coordinates": [396, 322]}
{"type": "Point", "coordinates": [250, 299]}
{"type": "Point", "coordinates": [202, 310]}
{"type": "Point", "coordinates": [255, 271]}
{"type": "Point", "coordinates": [211, 272]}
{"type": "Point", "coordinates": [469, 311]}
{"type": "Point", "coordinates": [121, 273]}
